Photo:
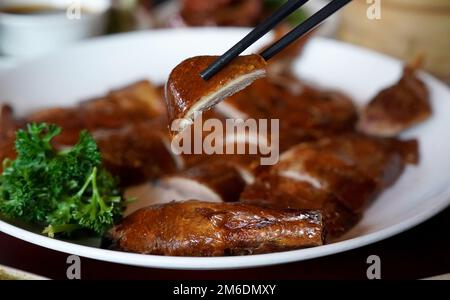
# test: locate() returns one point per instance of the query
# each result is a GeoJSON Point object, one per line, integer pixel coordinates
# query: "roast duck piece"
{"type": "Point", "coordinates": [139, 102]}
{"type": "Point", "coordinates": [217, 181]}
{"type": "Point", "coordinates": [304, 115]}
{"type": "Point", "coordinates": [196, 228]}
{"type": "Point", "coordinates": [213, 181]}
{"type": "Point", "coordinates": [187, 94]}
{"type": "Point", "coordinates": [137, 152]}
{"type": "Point", "coordinates": [339, 175]}
{"type": "Point", "coordinates": [397, 108]}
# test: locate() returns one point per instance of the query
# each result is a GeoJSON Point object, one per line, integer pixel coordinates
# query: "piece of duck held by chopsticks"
{"type": "Point", "coordinates": [196, 228]}
{"type": "Point", "coordinates": [398, 107]}
{"type": "Point", "coordinates": [187, 93]}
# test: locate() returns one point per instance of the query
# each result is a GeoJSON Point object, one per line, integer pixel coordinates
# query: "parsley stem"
{"type": "Point", "coordinates": [87, 182]}
{"type": "Point", "coordinates": [95, 192]}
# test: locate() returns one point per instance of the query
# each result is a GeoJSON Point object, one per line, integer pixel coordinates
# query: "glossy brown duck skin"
{"type": "Point", "coordinates": [187, 92]}
{"type": "Point", "coordinates": [246, 162]}
{"type": "Point", "coordinates": [128, 124]}
{"type": "Point", "coordinates": [353, 167]}
{"type": "Point", "coordinates": [397, 108]}
{"type": "Point", "coordinates": [195, 228]}
{"type": "Point", "coordinates": [135, 103]}
{"type": "Point", "coordinates": [279, 192]}
{"type": "Point", "coordinates": [136, 153]}
{"type": "Point", "coordinates": [305, 115]}
{"type": "Point", "coordinates": [340, 175]}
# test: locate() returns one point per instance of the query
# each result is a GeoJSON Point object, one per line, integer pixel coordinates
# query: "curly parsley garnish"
{"type": "Point", "coordinates": [62, 191]}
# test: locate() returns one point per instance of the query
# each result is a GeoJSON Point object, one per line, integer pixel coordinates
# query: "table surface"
{"type": "Point", "coordinates": [423, 251]}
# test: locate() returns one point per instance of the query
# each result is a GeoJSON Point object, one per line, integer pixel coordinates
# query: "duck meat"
{"type": "Point", "coordinates": [340, 175]}
{"type": "Point", "coordinates": [135, 103]}
{"type": "Point", "coordinates": [196, 228]}
{"type": "Point", "coordinates": [215, 180]}
{"type": "Point", "coordinates": [187, 94]}
{"type": "Point", "coordinates": [284, 192]}
{"type": "Point", "coordinates": [137, 153]}
{"type": "Point", "coordinates": [304, 116]}
{"type": "Point", "coordinates": [397, 108]}
{"type": "Point", "coordinates": [212, 181]}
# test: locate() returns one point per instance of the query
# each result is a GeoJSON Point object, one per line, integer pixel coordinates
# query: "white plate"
{"type": "Point", "coordinates": [95, 67]}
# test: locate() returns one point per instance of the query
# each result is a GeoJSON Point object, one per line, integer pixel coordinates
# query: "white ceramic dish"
{"type": "Point", "coordinates": [29, 35]}
{"type": "Point", "coordinates": [95, 67]}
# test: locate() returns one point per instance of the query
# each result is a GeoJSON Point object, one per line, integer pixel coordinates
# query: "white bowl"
{"type": "Point", "coordinates": [25, 35]}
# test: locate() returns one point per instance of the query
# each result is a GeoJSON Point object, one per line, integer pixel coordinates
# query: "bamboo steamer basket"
{"type": "Point", "coordinates": [406, 29]}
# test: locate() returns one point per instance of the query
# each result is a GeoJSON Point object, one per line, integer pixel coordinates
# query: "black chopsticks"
{"type": "Point", "coordinates": [304, 28]}
{"type": "Point", "coordinates": [259, 31]}
{"type": "Point", "coordinates": [279, 15]}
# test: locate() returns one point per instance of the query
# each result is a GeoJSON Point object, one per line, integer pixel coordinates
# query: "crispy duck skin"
{"type": "Point", "coordinates": [352, 166]}
{"type": "Point", "coordinates": [397, 108]}
{"type": "Point", "coordinates": [187, 93]}
{"type": "Point", "coordinates": [305, 115]}
{"type": "Point", "coordinates": [280, 192]}
{"type": "Point", "coordinates": [340, 175]}
{"type": "Point", "coordinates": [137, 152]}
{"type": "Point", "coordinates": [245, 162]}
{"type": "Point", "coordinates": [135, 103]}
{"type": "Point", "coordinates": [195, 228]}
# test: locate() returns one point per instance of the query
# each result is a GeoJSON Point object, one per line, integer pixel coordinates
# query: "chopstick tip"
{"type": "Point", "coordinates": [206, 74]}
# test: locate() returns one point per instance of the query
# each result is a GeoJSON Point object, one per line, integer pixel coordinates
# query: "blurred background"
{"type": "Point", "coordinates": [401, 28]}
